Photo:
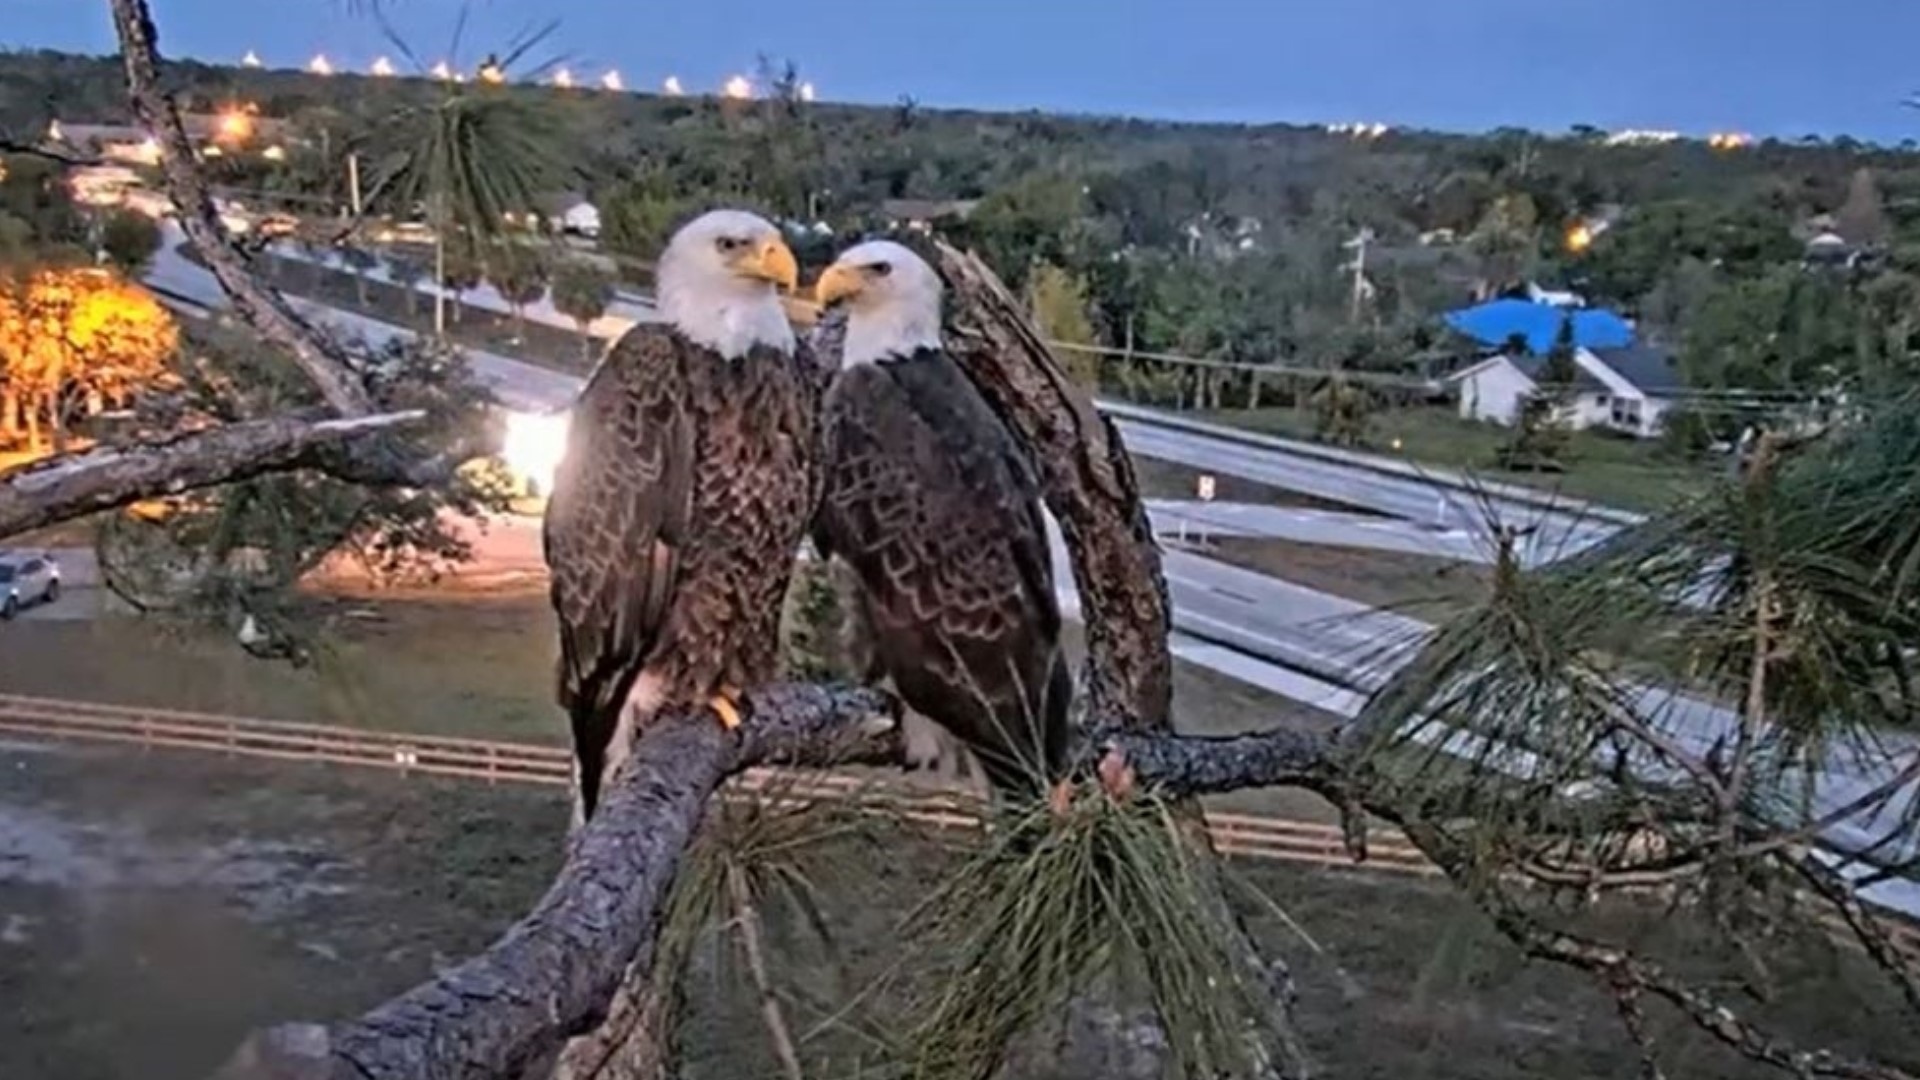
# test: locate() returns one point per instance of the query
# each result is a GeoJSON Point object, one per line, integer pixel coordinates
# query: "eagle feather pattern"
{"type": "Point", "coordinates": [935, 508]}
{"type": "Point", "coordinates": [686, 487]}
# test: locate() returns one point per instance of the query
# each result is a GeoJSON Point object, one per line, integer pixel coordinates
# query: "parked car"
{"type": "Point", "coordinates": [26, 580]}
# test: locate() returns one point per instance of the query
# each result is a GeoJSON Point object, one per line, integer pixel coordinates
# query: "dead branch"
{"type": "Point", "coordinates": [1090, 487]}
{"type": "Point", "coordinates": [261, 308]}
{"type": "Point", "coordinates": [553, 973]}
{"type": "Point", "coordinates": [108, 477]}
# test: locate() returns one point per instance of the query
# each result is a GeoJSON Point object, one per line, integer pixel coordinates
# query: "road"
{"type": "Point", "coordinates": [1444, 501]}
{"type": "Point", "coordinates": [1306, 645]}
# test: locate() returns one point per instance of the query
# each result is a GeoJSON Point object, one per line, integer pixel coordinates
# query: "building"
{"type": "Point", "coordinates": [1628, 389]}
{"type": "Point", "coordinates": [581, 219]}
{"type": "Point", "coordinates": [921, 215]}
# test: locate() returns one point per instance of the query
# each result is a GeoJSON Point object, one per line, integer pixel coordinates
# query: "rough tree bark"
{"type": "Point", "coordinates": [74, 485]}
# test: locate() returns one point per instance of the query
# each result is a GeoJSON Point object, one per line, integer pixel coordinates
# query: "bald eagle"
{"type": "Point", "coordinates": [935, 508]}
{"type": "Point", "coordinates": [687, 483]}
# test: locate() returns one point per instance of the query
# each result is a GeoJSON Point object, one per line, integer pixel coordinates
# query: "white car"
{"type": "Point", "coordinates": [26, 580]}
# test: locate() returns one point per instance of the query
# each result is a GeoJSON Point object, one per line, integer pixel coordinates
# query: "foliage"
{"type": "Point", "coordinates": [1540, 431]}
{"type": "Point", "coordinates": [583, 292]}
{"type": "Point", "coordinates": [37, 211]}
{"type": "Point", "coordinates": [129, 239]}
{"type": "Point", "coordinates": [1341, 408]}
{"type": "Point", "coordinates": [76, 337]}
{"type": "Point", "coordinates": [238, 551]}
{"type": "Point", "coordinates": [814, 626]}
{"type": "Point", "coordinates": [1671, 711]}
{"type": "Point", "coordinates": [1058, 301]}
{"type": "Point", "coordinates": [1064, 898]}
{"type": "Point", "coordinates": [520, 272]}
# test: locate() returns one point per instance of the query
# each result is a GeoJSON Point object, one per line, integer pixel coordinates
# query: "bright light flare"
{"type": "Point", "coordinates": [533, 447]}
{"type": "Point", "coordinates": [442, 71]}
{"type": "Point", "coordinates": [236, 125]}
{"type": "Point", "coordinates": [739, 88]}
{"type": "Point", "coordinates": [320, 65]}
{"type": "Point", "coordinates": [382, 67]}
{"type": "Point", "coordinates": [612, 81]}
{"type": "Point", "coordinates": [806, 91]}
{"type": "Point", "coordinates": [492, 74]}
{"type": "Point", "coordinates": [251, 60]}
{"type": "Point", "coordinates": [274, 153]}
{"type": "Point", "coordinates": [671, 87]}
{"type": "Point", "coordinates": [563, 79]}
{"type": "Point", "coordinates": [1579, 239]}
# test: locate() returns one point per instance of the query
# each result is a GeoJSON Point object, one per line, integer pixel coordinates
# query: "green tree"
{"type": "Point", "coordinates": [129, 239]}
{"type": "Point", "coordinates": [465, 270]}
{"type": "Point", "coordinates": [1508, 241]}
{"type": "Point", "coordinates": [242, 550]}
{"type": "Point", "coordinates": [583, 292]}
{"type": "Point", "coordinates": [1342, 410]}
{"type": "Point", "coordinates": [639, 216]}
{"type": "Point", "coordinates": [1862, 219]}
{"type": "Point", "coordinates": [520, 273]}
{"type": "Point", "coordinates": [1058, 301]}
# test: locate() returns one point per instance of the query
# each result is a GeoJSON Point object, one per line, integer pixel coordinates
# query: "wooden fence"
{"type": "Point", "coordinates": [55, 720]}
{"type": "Point", "coordinates": [1245, 835]}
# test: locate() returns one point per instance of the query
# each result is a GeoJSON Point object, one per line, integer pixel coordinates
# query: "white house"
{"type": "Point", "coordinates": [581, 219]}
{"type": "Point", "coordinates": [1627, 390]}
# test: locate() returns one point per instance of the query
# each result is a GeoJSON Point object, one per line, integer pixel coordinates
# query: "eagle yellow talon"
{"type": "Point", "coordinates": [724, 704]}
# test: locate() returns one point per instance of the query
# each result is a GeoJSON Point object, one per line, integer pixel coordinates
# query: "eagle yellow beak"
{"type": "Point", "coordinates": [771, 261]}
{"type": "Point", "coordinates": [838, 283]}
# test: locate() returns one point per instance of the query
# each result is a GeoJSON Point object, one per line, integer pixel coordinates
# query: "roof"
{"type": "Point", "coordinates": [927, 209]}
{"type": "Point", "coordinates": [1650, 369]}
{"type": "Point", "coordinates": [1497, 321]}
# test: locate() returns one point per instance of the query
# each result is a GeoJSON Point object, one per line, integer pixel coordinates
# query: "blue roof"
{"type": "Point", "coordinates": [1492, 323]}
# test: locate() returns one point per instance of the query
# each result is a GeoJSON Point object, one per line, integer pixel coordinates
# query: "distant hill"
{"type": "Point", "coordinates": [1150, 176]}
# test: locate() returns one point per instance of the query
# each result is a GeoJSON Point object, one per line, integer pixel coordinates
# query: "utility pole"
{"type": "Point", "coordinates": [353, 184]}
{"type": "Point", "coordinates": [1358, 267]}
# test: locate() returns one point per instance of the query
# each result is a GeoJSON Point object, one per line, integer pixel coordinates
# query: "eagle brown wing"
{"type": "Point", "coordinates": [932, 504]}
{"type": "Point", "coordinates": [615, 523]}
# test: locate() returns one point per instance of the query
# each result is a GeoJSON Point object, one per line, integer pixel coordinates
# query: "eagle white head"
{"type": "Point", "coordinates": [717, 283]}
{"type": "Point", "coordinates": [892, 298]}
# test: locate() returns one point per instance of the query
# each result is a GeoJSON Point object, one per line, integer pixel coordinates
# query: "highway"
{"type": "Point", "coordinates": [1322, 650]}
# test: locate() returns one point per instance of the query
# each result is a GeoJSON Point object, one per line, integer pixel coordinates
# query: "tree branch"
{"type": "Point", "coordinates": [108, 477]}
{"type": "Point", "coordinates": [552, 974]}
{"type": "Point", "coordinates": [1089, 484]}
{"type": "Point", "coordinates": [262, 309]}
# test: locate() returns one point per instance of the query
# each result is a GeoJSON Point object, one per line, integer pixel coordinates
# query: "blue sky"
{"type": "Point", "coordinates": [1781, 67]}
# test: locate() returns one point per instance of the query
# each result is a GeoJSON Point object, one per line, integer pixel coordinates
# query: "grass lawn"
{"type": "Point", "coordinates": [474, 664]}
{"type": "Point", "coordinates": [1628, 473]}
{"type": "Point", "coordinates": [155, 907]}
{"type": "Point", "coordinates": [1421, 586]}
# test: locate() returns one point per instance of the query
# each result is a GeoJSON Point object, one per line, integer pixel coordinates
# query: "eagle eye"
{"type": "Point", "coordinates": [880, 269]}
{"type": "Point", "coordinates": [730, 243]}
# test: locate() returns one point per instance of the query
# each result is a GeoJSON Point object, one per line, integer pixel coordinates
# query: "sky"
{"type": "Point", "coordinates": [1766, 67]}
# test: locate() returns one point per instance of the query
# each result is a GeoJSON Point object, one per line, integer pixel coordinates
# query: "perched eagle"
{"type": "Point", "coordinates": [932, 504]}
{"type": "Point", "coordinates": [689, 477]}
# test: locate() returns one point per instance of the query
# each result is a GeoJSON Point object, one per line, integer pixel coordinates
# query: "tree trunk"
{"type": "Point", "coordinates": [9, 416]}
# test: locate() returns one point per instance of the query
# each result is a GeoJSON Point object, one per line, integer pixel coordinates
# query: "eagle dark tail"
{"type": "Point", "coordinates": [593, 711]}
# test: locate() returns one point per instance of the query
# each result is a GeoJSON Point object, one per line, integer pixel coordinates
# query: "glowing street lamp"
{"type": "Point", "coordinates": [251, 60]}
{"type": "Point", "coordinates": [382, 67]}
{"type": "Point", "coordinates": [320, 65]}
{"type": "Point", "coordinates": [533, 447]}
{"type": "Point", "coordinates": [1579, 238]}
{"type": "Point", "coordinates": [274, 153]}
{"type": "Point", "coordinates": [806, 91]}
{"type": "Point", "coordinates": [671, 87]}
{"type": "Point", "coordinates": [442, 71]}
{"type": "Point", "coordinates": [611, 81]}
{"type": "Point", "coordinates": [563, 79]}
{"type": "Point", "coordinates": [492, 73]}
{"type": "Point", "coordinates": [738, 88]}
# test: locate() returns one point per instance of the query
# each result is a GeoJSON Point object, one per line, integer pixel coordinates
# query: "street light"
{"type": "Point", "coordinates": [671, 87]}
{"type": "Point", "coordinates": [611, 81]}
{"type": "Point", "coordinates": [563, 79]}
{"type": "Point", "coordinates": [739, 88]}
{"type": "Point", "coordinates": [382, 67]}
{"type": "Point", "coordinates": [320, 65]}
